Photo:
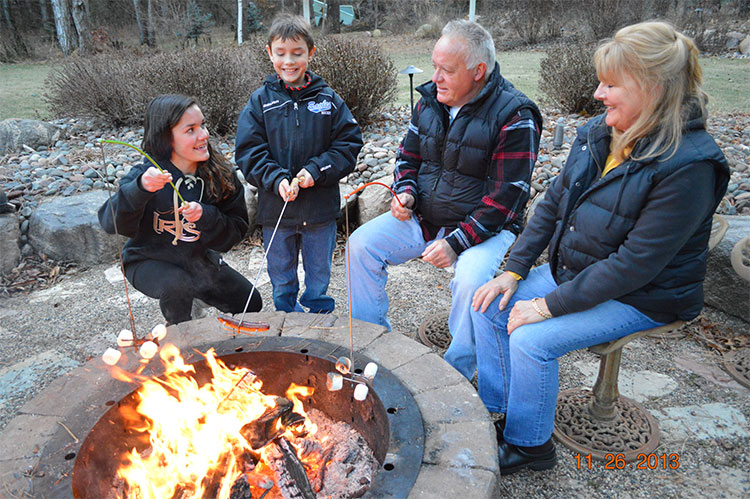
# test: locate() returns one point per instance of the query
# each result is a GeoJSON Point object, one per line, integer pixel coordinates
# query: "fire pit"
{"type": "Point", "coordinates": [429, 431]}
{"type": "Point", "coordinates": [387, 419]}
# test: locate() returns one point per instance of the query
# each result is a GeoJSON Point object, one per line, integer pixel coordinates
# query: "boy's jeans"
{"type": "Point", "coordinates": [387, 241]}
{"type": "Point", "coordinates": [518, 374]}
{"type": "Point", "coordinates": [316, 243]}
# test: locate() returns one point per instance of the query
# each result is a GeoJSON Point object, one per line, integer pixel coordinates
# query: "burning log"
{"type": "Point", "coordinates": [274, 421]}
{"type": "Point", "coordinates": [292, 478]}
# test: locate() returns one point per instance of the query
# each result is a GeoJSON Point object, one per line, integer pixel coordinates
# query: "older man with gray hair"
{"type": "Point", "coordinates": [462, 181]}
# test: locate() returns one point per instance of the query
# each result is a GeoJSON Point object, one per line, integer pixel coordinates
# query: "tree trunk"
{"type": "Point", "coordinates": [141, 22]}
{"type": "Point", "coordinates": [333, 17]}
{"type": "Point", "coordinates": [81, 20]}
{"type": "Point", "coordinates": [48, 28]}
{"type": "Point", "coordinates": [239, 22]}
{"type": "Point", "coordinates": [150, 32]}
{"type": "Point", "coordinates": [17, 46]}
{"type": "Point", "coordinates": [64, 26]}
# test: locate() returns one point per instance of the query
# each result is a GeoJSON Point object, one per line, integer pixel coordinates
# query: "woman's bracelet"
{"type": "Point", "coordinates": [539, 309]}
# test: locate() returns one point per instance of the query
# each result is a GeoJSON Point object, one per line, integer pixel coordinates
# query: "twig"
{"type": "Point", "coordinates": [68, 430]}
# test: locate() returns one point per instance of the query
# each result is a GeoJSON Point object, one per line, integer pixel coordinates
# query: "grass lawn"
{"type": "Point", "coordinates": [726, 80]}
{"type": "Point", "coordinates": [21, 90]}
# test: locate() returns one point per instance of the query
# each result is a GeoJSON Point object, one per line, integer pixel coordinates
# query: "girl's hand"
{"type": "Point", "coordinates": [192, 211]}
{"type": "Point", "coordinates": [305, 179]}
{"type": "Point", "coordinates": [152, 179]}
{"type": "Point", "coordinates": [504, 284]}
{"type": "Point", "coordinates": [523, 312]}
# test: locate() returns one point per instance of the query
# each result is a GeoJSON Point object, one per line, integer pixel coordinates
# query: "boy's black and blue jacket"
{"type": "Point", "coordinates": [280, 132]}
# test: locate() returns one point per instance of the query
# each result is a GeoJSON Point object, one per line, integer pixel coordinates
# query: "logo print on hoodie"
{"type": "Point", "coordinates": [164, 220]}
{"type": "Point", "coordinates": [322, 107]}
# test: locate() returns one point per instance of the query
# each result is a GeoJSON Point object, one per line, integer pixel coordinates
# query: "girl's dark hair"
{"type": "Point", "coordinates": [163, 113]}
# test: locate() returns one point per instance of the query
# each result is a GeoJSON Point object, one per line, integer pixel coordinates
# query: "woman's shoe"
{"type": "Point", "coordinates": [513, 459]}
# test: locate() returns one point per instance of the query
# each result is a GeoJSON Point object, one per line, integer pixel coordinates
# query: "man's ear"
{"type": "Point", "coordinates": [479, 71]}
{"type": "Point", "coordinates": [268, 51]}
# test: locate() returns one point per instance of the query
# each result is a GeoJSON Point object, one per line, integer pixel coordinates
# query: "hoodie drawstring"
{"type": "Point", "coordinates": [177, 218]}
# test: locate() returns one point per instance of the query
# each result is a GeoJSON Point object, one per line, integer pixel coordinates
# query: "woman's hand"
{"type": "Point", "coordinates": [523, 312]}
{"type": "Point", "coordinates": [305, 179]}
{"type": "Point", "coordinates": [152, 179]}
{"type": "Point", "coordinates": [504, 284]}
{"type": "Point", "coordinates": [192, 211]}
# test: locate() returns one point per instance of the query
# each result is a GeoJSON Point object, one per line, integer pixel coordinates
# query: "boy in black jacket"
{"type": "Point", "coordinates": [296, 127]}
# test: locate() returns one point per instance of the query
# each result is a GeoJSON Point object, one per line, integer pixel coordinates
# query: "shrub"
{"type": "Point", "coordinates": [568, 78]}
{"type": "Point", "coordinates": [117, 87]}
{"type": "Point", "coordinates": [360, 72]}
{"type": "Point", "coordinates": [535, 20]}
{"type": "Point", "coordinates": [605, 17]}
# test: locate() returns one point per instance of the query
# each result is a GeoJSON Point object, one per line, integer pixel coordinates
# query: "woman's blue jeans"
{"type": "Point", "coordinates": [316, 242]}
{"type": "Point", "coordinates": [518, 374]}
{"type": "Point", "coordinates": [386, 241]}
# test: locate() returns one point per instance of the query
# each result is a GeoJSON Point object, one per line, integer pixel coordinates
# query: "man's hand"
{"type": "Point", "coordinates": [504, 284]}
{"type": "Point", "coordinates": [152, 179]}
{"type": "Point", "coordinates": [287, 191]}
{"type": "Point", "coordinates": [439, 253]}
{"type": "Point", "coordinates": [404, 212]}
{"type": "Point", "coordinates": [305, 179]}
{"type": "Point", "coordinates": [192, 211]}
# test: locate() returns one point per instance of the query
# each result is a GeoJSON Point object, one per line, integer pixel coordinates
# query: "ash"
{"type": "Point", "coordinates": [343, 465]}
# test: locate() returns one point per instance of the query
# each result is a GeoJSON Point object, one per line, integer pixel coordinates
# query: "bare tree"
{"type": "Point", "coordinates": [145, 23]}
{"type": "Point", "coordinates": [82, 25]}
{"type": "Point", "coordinates": [66, 35]}
{"type": "Point", "coordinates": [333, 17]}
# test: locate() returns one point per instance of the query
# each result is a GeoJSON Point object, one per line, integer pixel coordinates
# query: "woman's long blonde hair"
{"type": "Point", "coordinates": [664, 63]}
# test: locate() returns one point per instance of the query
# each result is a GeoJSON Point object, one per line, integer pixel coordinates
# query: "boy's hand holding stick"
{"type": "Point", "coordinates": [287, 191]}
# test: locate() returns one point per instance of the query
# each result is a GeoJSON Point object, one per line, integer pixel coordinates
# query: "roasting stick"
{"type": "Point", "coordinates": [348, 275]}
{"type": "Point", "coordinates": [117, 236]}
{"type": "Point", "coordinates": [292, 186]}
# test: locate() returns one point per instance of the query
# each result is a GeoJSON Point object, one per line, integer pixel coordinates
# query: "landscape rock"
{"type": "Point", "coordinates": [425, 31]}
{"type": "Point", "coordinates": [67, 228]}
{"type": "Point", "coordinates": [9, 235]}
{"type": "Point", "coordinates": [374, 200]}
{"type": "Point", "coordinates": [745, 45]}
{"type": "Point", "coordinates": [15, 133]}
{"type": "Point", "coordinates": [723, 288]}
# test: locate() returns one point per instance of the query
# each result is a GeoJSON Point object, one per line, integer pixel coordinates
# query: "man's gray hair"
{"type": "Point", "coordinates": [479, 44]}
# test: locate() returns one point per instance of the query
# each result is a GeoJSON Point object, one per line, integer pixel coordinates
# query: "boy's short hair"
{"type": "Point", "coordinates": [289, 27]}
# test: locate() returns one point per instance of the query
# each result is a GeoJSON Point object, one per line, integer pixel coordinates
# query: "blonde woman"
{"type": "Point", "coordinates": [627, 224]}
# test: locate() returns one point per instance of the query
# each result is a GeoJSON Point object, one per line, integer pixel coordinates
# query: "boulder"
{"type": "Point", "coordinates": [724, 288]}
{"type": "Point", "coordinates": [374, 200]}
{"type": "Point", "coordinates": [67, 228]}
{"type": "Point", "coordinates": [425, 31]}
{"type": "Point", "coordinates": [15, 133]}
{"type": "Point", "coordinates": [745, 45]}
{"type": "Point", "coordinates": [10, 254]}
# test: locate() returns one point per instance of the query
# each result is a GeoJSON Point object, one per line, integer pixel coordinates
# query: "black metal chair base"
{"type": "Point", "coordinates": [434, 332]}
{"type": "Point", "coordinates": [737, 363]}
{"type": "Point", "coordinates": [633, 431]}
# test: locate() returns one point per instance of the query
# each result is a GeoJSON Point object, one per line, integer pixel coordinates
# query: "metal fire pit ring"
{"type": "Point", "coordinates": [388, 419]}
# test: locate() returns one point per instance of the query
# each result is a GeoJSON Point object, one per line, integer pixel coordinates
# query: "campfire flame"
{"type": "Point", "coordinates": [194, 431]}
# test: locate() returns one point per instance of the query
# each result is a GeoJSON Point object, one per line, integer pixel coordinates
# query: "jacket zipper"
{"type": "Point", "coordinates": [296, 113]}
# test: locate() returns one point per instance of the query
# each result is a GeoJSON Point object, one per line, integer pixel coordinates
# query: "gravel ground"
{"type": "Point", "coordinates": [58, 328]}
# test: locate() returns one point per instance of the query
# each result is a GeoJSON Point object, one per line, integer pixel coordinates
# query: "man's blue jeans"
{"type": "Point", "coordinates": [386, 241]}
{"type": "Point", "coordinates": [316, 243]}
{"type": "Point", "coordinates": [518, 374]}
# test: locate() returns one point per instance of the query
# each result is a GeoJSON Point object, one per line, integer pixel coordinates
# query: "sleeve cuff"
{"type": "Point", "coordinates": [454, 244]}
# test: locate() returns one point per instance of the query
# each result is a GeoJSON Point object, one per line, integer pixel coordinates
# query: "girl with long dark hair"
{"type": "Point", "coordinates": [173, 253]}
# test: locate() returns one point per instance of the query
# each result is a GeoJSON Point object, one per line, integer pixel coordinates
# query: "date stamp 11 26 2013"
{"type": "Point", "coordinates": [617, 462]}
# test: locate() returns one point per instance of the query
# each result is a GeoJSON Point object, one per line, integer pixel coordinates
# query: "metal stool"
{"type": "Point", "coordinates": [601, 421]}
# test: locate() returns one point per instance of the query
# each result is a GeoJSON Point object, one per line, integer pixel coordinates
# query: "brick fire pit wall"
{"type": "Point", "coordinates": [460, 456]}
